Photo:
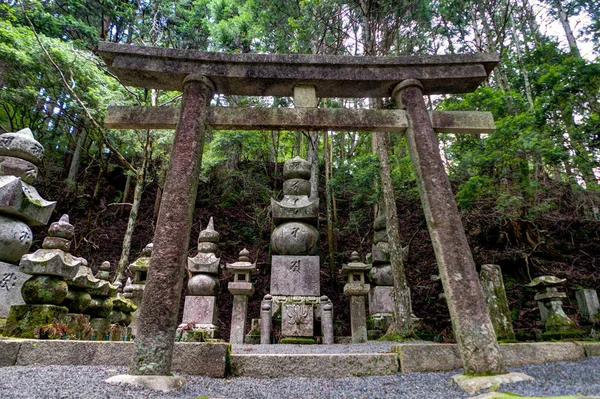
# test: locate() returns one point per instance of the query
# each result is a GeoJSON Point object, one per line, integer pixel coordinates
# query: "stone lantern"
{"type": "Point", "coordinates": [134, 290]}
{"type": "Point", "coordinates": [241, 287]}
{"type": "Point", "coordinates": [357, 290]}
{"type": "Point", "coordinates": [558, 324]}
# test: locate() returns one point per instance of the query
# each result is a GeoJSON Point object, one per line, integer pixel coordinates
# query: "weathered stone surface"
{"type": "Point", "coordinates": [240, 288]}
{"type": "Point", "coordinates": [472, 384]}
{"type": "Point", "coordinates": [496, 301]}
{"type": "Point", "coordinates": [84, 278]}
{"type": "Point", "coordinates": [239, 315]}
{"type": "Point", "coordinates": [332, 76]}
{"type": "Point", "coordinates": [296, 168]}
{"type": "Point", "coordinates": [338, 119]}
{"type": "Point", "coordinates": [296, 187]}
{"type": "Point", "coordinates": [21, 145]}
{"type": "Point", "coordinates": [24, 319]}
{"type": "Point", "coordinates": [200, 310]}
{"type": "Point", "coordinates": [9, 350]}
{"type": "Point", "coordinates": [100, 306]}
{"type": "Point", "coordinates": [295, 238]}
{"type": "Point", "coordinates": [591, 348]}
{"type": "Point", "coordinates": [358, 320]}
{"type": "Point", "coordinates": [295, 275]}
{"type": "Point", "coordinates": [15, 239]}
{"type": "Point", "coordinates": [446, 357]}
{"type": "Point", "coordinates": [541, 352]}
{"type": "Point", "coordinates": [103, 289]}
{"type": "Point", "coordinates": [100, 328]}
{"type": "Point", "coordinates": [298, 208]}
{"type": "Point", "coordinates": [77, 300]}
{"type": "Point", "coordinates": [164, 383]}
{"type": "Point", "coordinates": [54, 262]}
{"type": "Point", "coordinates": [381, 299]}
{"type": "Point", "coordinates": [323, 366]}
{"type": "Point", "coordinates": [297, 320]}
{"type": "Point", "coordinates": [382, 275]}
{"type": "Point", "coordinates": [588, 304]}
{"type": "Point", "coordinates": [20, 168]}
{"type": "Point", "coordinates": [57, 243]}
{"type": "Point", "coordinates": [204, 263]}
{"type": "Point", "coordinates": [470, 317]}
{"type": "Point", "coordinates": [23, 201]}
{"type": "Point", "coordinates": [42, 289]}
{"type": "Point", "coordinates": [356, 289]}
{"type": "Point", "coordinates": [305, 96]}
{"type": "Point", "coordinates": [191, 358]}
{"type": "Point", "coordinates": [203, 285]}
{"type": "Point", "coordinates": [11, 281]}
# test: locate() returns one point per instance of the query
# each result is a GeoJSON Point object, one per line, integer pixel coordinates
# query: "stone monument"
{"type": "Point", "coordinates": [357, 290]}
{"type": "Point", "coordinates": [558, 325]}
{"type": "Point", "coordinates": [588, 304]}
{"type": "Point", "coordinates": [295, 281]}
{"type": "Point", "coordinates": [47, 289]}
{"type": "Point", "coordinates": [200, 312]}
{"type": "Point", "coordinates": [134, 290]}
{"type": "Point", "coordinates": [102, 304]}
{"type": "Point", "coordinates": [497, 303]}
{"type": "Point", "coordinates": [20, 207]}
{"type": "Point", "coordinates": [242, 288]}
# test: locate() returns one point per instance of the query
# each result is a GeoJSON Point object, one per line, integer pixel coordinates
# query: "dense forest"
{"type": "Point", "coordinates": [529, 193]}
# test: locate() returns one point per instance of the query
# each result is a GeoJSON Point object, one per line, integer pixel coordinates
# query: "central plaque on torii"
{"type": "Point", "coordinates": [200, 75]}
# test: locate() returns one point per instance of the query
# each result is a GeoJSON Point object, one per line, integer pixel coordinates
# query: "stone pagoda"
{"type": "Point", "coordinates": [45, 292]}
{"type": "Point", "coordinates": [200, 312]}
{"type": "Point", "coordinates": [295, 278]}
{"type": "Point", "coordinates": [20, 207]}
{"type": "Point", "coordinates": [242, 288]}
{"type": "Point", "coordinates": [134, 290]}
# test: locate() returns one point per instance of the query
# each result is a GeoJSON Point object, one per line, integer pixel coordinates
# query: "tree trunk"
{"type": "Point", "coordinates": [517, 45]}
{"type": "Point", "coordinates": [402, 305]}
{"type": "Point", "coordinates": [564, 20]}
{"type": "Point", "coordinates": [76, 161]}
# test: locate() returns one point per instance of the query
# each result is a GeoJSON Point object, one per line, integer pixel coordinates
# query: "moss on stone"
{"type": "Point", "coordinates": [566, 334]}
{"type": "Point", "coordinates": [23, 320]}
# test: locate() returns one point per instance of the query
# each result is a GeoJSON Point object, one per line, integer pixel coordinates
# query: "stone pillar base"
{"type": "Point", "coordinates": [23, 320]}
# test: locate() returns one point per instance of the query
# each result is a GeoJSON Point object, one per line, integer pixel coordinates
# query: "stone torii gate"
{"type": "Point", "coordinates": [200, 75]}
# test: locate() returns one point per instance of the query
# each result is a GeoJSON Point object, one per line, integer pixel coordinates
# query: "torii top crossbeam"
{"type": "Point", "coordinates": [277, 74]}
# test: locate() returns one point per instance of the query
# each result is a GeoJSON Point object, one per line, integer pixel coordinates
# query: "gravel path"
{"type": "Point", "coordinates": [87, 382]}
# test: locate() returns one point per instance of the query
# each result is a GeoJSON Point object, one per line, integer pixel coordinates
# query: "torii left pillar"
{"type": "Point", "coordinates": [158, 319]}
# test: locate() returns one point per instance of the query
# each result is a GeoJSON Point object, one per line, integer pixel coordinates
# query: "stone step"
{"type": "Point", "coordinates": [336, 365]}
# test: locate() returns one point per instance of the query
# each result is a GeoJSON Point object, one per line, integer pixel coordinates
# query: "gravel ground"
{"type": "Point", "coordinates": [366, 347]}
{"type": "Point", "coordinates": [582, 377]}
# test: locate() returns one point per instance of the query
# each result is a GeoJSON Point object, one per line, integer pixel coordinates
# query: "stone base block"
{"type": "Point", "coordinates": [23, 320]}
{"type": "Point", "coordinates": [381, 299]}
{"type": "Point", "coordinates": [190, 358]}
{"type": "Point", "coordinates": [446, 357]}
{"type": "Point", "coordinates": [199, 333]}
{"type": "Point", "coordinates": [295, 275]}
{"type": "Point", "coordinates": [297, 320]}
{"type": "Point", "coordinates": [313, 365]}
{"type": "Point", "coordinates": [200, 310]}
{"type": "Point", "coordinates": [100, 329]}
{"type": "Point", "coordinates": [11, 282]}
{"type": "Point", "coordinates": [591, 348]}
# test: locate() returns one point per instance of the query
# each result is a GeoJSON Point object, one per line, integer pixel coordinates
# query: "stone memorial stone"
{"type": "Point", "coordinates": [200, 311]}
{"type": "Point", "coordinates": [297, 320]}
{"type": "Point", "coordinates": [134, 289]}
{"type": "Point", "coordinates": [295, 275]}
{"type": "Point", "coordinates": [588, 304]}
{"type": "Point", "coordinates": [558, 324]}
{"type": "Point", "coordinates": [241, 287]}
{"type": "Point", "coordinates": [357, 290]}
{"type": "Point", "coordinates": [11, 282]}
{"type": "Point", "coordinates": [497, 303]}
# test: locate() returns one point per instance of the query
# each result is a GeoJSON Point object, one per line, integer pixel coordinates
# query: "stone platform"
{"type": "Point", "coordinates": [325, 361]}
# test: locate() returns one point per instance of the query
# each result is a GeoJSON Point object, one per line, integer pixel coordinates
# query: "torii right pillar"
{"type": "Point", "coordinates": [473, 328]}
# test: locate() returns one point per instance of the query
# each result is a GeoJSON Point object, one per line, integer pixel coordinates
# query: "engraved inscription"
{"type": "Point", "coordinates": [294, 265]}
{"type": "Point", "coordinates": [9, 280]}
{"type": "Point", "coordinates": [5, 142]}
{"type": "Point", "coordinates": [294, 232]}
{"type": "Point", "coordinates": [295, 185]}
{"type": "Point", "coordinates": [294, 164]}
{"type": "Point", "coordinates": [37, 150]}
